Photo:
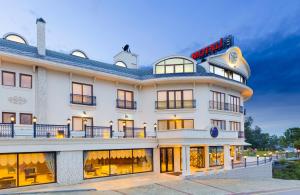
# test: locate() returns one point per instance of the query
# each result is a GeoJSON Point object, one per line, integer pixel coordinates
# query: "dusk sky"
{"type": "Point", "coordinates": [268, 33]}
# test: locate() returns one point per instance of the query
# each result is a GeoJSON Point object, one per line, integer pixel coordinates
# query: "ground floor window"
{"type": "Point", "coordinates": [117, 162]}
{"type": "Point", "coordinates": [216, 156]}
{"type": "Point", "coordinates": [26, 169]}
{"type": "Point", "coordinates": [197, 158]}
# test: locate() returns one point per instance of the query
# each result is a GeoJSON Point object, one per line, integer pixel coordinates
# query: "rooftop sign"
{"type": "Point", "coordinates": [223, 43]}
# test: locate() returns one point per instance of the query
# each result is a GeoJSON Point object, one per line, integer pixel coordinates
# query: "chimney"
{"type": "Point", "coordinates": [41, 39]}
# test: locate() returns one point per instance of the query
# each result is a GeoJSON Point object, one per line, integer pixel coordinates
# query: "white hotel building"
{"type": "Point", "coordinates": [66, 118]}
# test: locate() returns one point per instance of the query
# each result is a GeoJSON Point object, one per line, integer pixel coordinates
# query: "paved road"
{"type": "Point", "coordinates": [250, 181]}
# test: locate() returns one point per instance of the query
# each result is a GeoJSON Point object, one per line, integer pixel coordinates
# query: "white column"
{"type": "Point", "coordinates": [41, 95]}
{"type": "Point", "coordinates": [206, 153]}
{"type": "Point", "coordinates": [185, 160]}
{"type": "Point", "coordinates": [227, 159]}
{"type": "Point", "coordinates": [156, 160]}
{"type": "Point", "coordinates": [176, 159]}
{"type": "Point", "coordinates": [69, 173]}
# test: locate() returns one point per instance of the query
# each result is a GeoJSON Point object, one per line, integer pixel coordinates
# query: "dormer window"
{"type": "Point", "coordinates": [120, 63]}
{"type": "Point", "coordinates": [79, 53]}
{"type": "Point", "coordinates": [174, 65]}
{"type": "Point", "coordinates": [15, 38]}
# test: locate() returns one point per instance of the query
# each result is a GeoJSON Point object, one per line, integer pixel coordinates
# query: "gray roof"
{"type": "Point", "coordinates": [142, 73]}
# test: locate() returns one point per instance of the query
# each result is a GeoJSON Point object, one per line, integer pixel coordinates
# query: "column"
{"type": "Point", "coordinates": [227, 159]}
{"type": "Point", "coordinates": [69, 173]}
{"type": "Point", "coordinates": [185, 152]}
{"type": "Point", "coordinates": [156, 160]}
{"type": "Point", "coordinates": [177, 159]}
{"type": "Point", "coordinates": [41, 95]}
{"type": "Point", "coordinates": [206, 153]}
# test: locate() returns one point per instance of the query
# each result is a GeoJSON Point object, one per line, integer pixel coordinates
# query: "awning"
{"type": "Point", "coordinates": [8, 159]}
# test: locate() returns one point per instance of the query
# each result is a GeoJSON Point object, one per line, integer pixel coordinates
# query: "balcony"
{"type": "Point", "coordinates": [179, 104]}
{"type": "Point", "coordinates": [124, 104]}
{"type": "Point", "coordinates": [83, 99]}
{"type": "Point", "coordinates": [214, 105]}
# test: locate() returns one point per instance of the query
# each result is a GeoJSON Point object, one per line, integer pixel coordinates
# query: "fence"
{"type": "Point", "coordinates": [98, 131]}
{"type": "Point", "coordinates": [7, 130]}
{"type": "Point", "coordinates": [245, 163]}
{"type": "Point", "coordinates": [45, 130]}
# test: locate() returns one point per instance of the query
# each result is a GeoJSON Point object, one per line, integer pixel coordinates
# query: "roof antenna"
{"type": "Point", "coordinates": [126, 48]}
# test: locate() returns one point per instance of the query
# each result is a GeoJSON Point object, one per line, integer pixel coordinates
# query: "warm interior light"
{"type": "Point", "coordinates": [34, 119]}
{"type": "Point", "coordinates": [68, 121]}
{"type": "Point", "coordinates": [111, 123]}
{"type": "Point", "coordinates": [12, 119]}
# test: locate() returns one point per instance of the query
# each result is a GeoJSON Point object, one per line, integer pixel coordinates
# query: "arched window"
{"type": "Point", "coordinates": [79, 53]}
{"type": "Point", "coordinates": [122, 64]}
{"type": "Point", "coordinates": [15, 38]}
{"type": "Point", "coordinates": [174, 65]}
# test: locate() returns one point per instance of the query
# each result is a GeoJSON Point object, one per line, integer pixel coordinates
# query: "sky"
{"type": "Point", "coordinates": [268, 33]}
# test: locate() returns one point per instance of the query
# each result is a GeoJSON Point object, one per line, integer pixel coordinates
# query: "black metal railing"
{"type": "Point", "coordinates": [178, 104]}
{"type": "Point", "coordinates": [133, 132]}
{"type": "Point", "coordinates": [46, 130]}
{"type": "Point", "coordinates": [124, 104]}
{"type": "Point", "coordinates": [83, 99]}
{"type": "Point", "coordinates": [7, 130]}
{"type": "Point", "coordinates": [215, 105]}
{"type": "Point", "coordinates": [241, 134]}
{"type": "Point", "coordinates": [244, 163]}
{"type": "Point", "coordinates": [98, 131]}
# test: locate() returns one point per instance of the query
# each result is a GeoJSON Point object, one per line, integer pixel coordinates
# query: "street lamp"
{"type": "Point", "coordinates": [155, 126]}
{"type": "Point", "coordinates": [68, 121]}
{"type": "Point", "coordinates": [12, 119]}
{"type": "Point", "coordinates": [257, 159]}
{"type": "Point", "coordinates": [34, 119]}
{"type": "Point", "coordinates": [245, 158]}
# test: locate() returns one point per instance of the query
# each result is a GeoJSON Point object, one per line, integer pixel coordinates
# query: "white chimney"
{"type": "Point", "coordinates": [41, 39]}
{"type": "Point", "coordinates": [126, 58]}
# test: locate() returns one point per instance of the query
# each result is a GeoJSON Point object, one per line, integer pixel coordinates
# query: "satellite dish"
{"type": "Point", "coordinates": [126, 48]}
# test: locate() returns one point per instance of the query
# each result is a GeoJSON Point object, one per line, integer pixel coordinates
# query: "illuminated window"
{"type": "Point", "coordinates": [216, 156]}
{"type": "Point", "coordinates": [122, 64]}
{"type": "Point", "coordinates": [8, 78]}
{"type": "Point", "coordinates": [79, 53]}
{"type": "Point", "coordinates": [78, 122]}
{"type": "Point", "coordinates": [175, 124]}
{"type": "Point", "coordinates": [174, 65]}
{"type": "Point", "coordinates": [197, 157]}
{"type": "Point", "coordinates": [82, 94]}
{"type": "Point", "coordinates": [25, 81]}
{"type": "Point", "coordinates": [8, 171]}
{"type": "Point", "coordinates": [15, 38]}
{"type": "Point", "coordinates": [25, 119]}
{"type": "Point", "coordinates": [142, 160]}
{"type": "Point", "coordinates": [96, 164]}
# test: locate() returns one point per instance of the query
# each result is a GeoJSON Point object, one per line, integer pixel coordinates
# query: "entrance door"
{"type": "Point", "coordinates": [166, 160]}
{"type": "Point", "coordinates": [127, 126]}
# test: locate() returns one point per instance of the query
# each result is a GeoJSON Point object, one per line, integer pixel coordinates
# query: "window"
{"type": "Point", "coordinates": [197, 158]}
{"type": "Point", "coordinates": [122, 64]}
{"type": "Point", "coordinates": [234, 103]}
{"type": "Point", "coordinates": [216, 156]}
{"type": "Point", "coordinates": [226, 73]}
{"type": "Point", "coordinates": [235, 126]}
{"type": "Point", "coordinates": [26, 169]}
{"type": "Point", "coordinates": [217, 100]}
{"type": "Point", "coordinates": [8, 78]}
{"type": "Point", "coordinates": [174, 65]}
{"type": "Point", "coordinates": [221, 124]}
{"type": "Point", "coordinates": [117, 162]}
{"type": "Point", "coordinates": [82, 94]}
{"type": "Point", "coordinates": [25, 119]}
{"type": "Point", "coordinates": [175, 124]}
{"type": "Point", "coordinates": [175, 99]}
{"type": "Point", "coordinates": [78, 123]}
{"type": "Point", "coordinates": [125, 99]}
{"type": "Point", "coordinates": [15, 38]}
{"type": "Point", "coordinates": [25, 81]}
{"type": "Point", "coordinates": [6, 117]}
{"type": "Point", "coordinates": [79, 53]}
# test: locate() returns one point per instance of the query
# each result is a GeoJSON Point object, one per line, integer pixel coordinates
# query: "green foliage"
{"type": "Point", "coordinates": [291, 170]}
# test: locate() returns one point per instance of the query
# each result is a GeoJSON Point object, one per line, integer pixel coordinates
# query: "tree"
{"type": "Point", "coordinates": [292, 137]}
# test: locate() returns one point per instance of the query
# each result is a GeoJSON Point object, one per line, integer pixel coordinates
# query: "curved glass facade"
{"type": "Point", "coordinates": [174, 65]}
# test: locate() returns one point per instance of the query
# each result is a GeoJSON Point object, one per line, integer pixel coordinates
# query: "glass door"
{"type": "Point", "coordinates": [166, 160]}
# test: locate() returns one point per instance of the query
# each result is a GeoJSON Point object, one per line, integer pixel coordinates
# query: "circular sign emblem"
{"type": "Point", "coordinates": [233, 57]}
{"type": "Point", "coordinates": [214, 132]}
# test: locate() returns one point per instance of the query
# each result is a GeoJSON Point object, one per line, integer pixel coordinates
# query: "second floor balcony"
{"type": "Point", "coordinates": [124, 104]}
{"type": "Point", "coordinates": [83, 99]}
{"type": "Point", "coordinates": [215, 105]}
{"type": "Point", "coordinates": [176, 104]}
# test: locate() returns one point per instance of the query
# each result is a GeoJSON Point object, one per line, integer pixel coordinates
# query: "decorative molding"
{"type": "Point", "coordinates": [17, 100]}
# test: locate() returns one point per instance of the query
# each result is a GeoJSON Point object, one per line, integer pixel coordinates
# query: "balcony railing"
{"type": "Point", "coordinates": [98, 131]}
{"type": "Point", "coordinates": [83, 99]}
{"type": "Point", "coordinates": [124, 104]}
{"type": "Point", "coordinates": [133, 132]}
{"type": "Point", "coordinates": [7, 130]}
{"type": "Point", "coordinates": [48, 131]}
{"type": "Point", "coordinates": [215, 105]}
{"type": "Point", "coordinates": [241, 134]}
{"type": "Point", "coordinates": [178, 104]}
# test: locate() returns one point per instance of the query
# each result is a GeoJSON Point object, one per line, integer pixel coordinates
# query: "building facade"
{"type": "Point", "coordinates": [66, 118]}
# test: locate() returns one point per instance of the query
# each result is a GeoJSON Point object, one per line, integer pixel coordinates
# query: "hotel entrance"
{"type": "Point", "coordinates": [166, 160]}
